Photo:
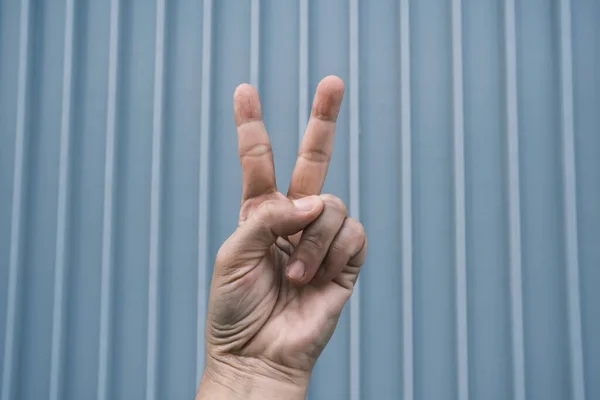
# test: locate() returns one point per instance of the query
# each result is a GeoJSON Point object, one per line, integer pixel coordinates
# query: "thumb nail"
{"type": "Point", "coordinates": [306, 203]}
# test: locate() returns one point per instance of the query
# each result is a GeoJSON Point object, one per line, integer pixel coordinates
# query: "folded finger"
{"type": "Point", "coordinates": [316, 240]}
{"type": "Point", "coordinates": [346, 254]}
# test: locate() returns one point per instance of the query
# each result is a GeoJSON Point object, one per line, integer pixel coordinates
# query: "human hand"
{"type": "Point", "coordinates": [281, 279]}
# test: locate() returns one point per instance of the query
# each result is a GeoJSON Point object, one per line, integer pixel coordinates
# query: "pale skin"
{"type": "Point", "coordinates": [281, 279]}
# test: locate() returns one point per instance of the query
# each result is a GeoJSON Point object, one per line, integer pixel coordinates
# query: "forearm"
{"type": "Point", "coordinates": [232, 384]}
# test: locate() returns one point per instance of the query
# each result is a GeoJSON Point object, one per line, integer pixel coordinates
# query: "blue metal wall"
{"type": "Point", "coordinates": [468, 144]}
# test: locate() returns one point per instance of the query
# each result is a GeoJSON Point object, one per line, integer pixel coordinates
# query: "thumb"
{"type": "Point", "coordinates": [272, 218]}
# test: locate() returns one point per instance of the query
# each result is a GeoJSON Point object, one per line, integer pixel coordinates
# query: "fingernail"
{"type": "Point", "coordinates": [296, 270]}
{"type": "Point", "coordinates": [305, 203]}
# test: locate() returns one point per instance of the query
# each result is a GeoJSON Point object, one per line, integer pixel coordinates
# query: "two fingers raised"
{"type": "Point", "coordinates": [329, 240]}
{"type": "Point", "coordinates": [254, 146]}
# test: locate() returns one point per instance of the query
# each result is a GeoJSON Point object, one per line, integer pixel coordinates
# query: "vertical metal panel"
{"type": "Point", "coordinates": [286, 70]}
{"type": "Point", "coordinates": [255, 44]}
{"type": "Point", "coordinates": [486, 188]}
{"type": "Point", "coordinates": [586, 97]}
{"type": "Point", "coordinates": [13, 304]}
{"type": "Point", "coordinates": [303, 72]}
{"type": "Point", "coordinates": [154, 259]}
{"type": "Point", "coordinates": [546, 339]}
{"type": "Point", "coordinates": [106, 283]}
{"type": "Point", "coordinates": [86, 198]}
{"type": "Point", "coordinates": [354, 206]}
{"type": "Point", "coordinates": [406, 195]}
{"type": "Point", "coordinates": [180, 224]}
{"type": "Point", "coordinates": [204, 187]}
{"type": "Point", "coordinates": [62, 216]}
{"type": "Point", "coordinates": [133, 200]}
{"type": "Point", "coordinates": [435, 355]}
{"type": "Point", "coordinates": [9, 50]}
{"type": "Point", "coordinates": [39, 205]}
{"type": "Point", "coordinates": [570, 204]}
{"type": "Point", "coordinates": [514, 200]}
{"type": "Point", "coordinates": [380, 144]}
{"type": "Point", "coordinates": [460, 257]}
{"type": "Point", "coordinates": [467, 144]}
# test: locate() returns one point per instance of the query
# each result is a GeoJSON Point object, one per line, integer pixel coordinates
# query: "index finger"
{"type": "Point", "coordinates": [315, 151]}
{"type": "Point", "coordinates": [254, 146]}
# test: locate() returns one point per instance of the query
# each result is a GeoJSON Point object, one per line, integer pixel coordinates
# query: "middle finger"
{"type": "Point", "coordinates": [316, 148]}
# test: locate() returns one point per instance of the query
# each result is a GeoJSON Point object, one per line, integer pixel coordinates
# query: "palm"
{"type": "Point", "coordinates": [288, 318]}
{"type": "Point", "coordinates": [298, 318]}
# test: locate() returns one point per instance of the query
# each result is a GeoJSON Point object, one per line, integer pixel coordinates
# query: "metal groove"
{"type": "Point", "coordinates": [354, 166]}
{"type": "Point", "coordinates": [303, 89]}
{"type": "Point", "coordinates": [13, 305]}
{"type": "Point", "coordinates": [60, 263]}
{"type": "Point", "coordinates": [570, 204]}
{"type": "Point", "coordinates": [203, 203]}
{"type": "Point", "coordinates": [104, 356]}
{"type": "Point", "coordinates": [255, 43]}
{"type": "Point", "coordinates": [514, 206]}
{"type": "Point", "coordinates": [155, 205]}
{"type": "Point", "coordinates": [459, 204]}
{"type": "Point", "coordinates": [406, 198]}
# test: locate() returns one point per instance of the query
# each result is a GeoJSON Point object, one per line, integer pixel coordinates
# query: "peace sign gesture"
{"type": "Point", "coordinates": [281, 279]}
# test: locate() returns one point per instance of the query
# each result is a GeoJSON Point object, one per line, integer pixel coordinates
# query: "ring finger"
{"type": "Point", "coordinates": [346, 254]}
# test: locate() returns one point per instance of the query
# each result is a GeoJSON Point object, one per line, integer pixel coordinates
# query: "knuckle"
{"type": "Point", "coordinates": [358, 240]}
{"type": "Point", "coordinates": [313, 242]}
{"type": "Point", "coordinates": [266, 209]}
{"type": "Point", "coordinates": [339, 251]}
{"type": "Point", "coordinates": [340, 246]}
{"type": "Point", "coordinates": [266, 213]}
{"type": "Point", "coordinates": [335, 202]}
{"type": "Point", "coordinates": [365, 245]}
{"type": "Point", "coordinates": [256, 150]}
{"type": "Point", "coordinates": [315, 155]}
{"type": "Point", "coordinates": [357, 229]}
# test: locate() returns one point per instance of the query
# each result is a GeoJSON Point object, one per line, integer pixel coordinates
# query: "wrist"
{"type": "Point", "coordinates": [233, 381]}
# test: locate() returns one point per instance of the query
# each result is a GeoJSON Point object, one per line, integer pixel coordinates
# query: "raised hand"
{"type": "Point", "coordinates": [281, 279]}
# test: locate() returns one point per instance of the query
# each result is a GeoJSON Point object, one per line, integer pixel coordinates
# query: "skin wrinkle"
{"type": "Point", "coordinates": [318, 156]}
{"type": "Point", "coordinates": [256, 150]}
{"type": "Point", "coordinates": [239, 327]}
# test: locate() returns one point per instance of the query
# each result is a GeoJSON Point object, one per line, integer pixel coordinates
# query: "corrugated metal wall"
{"type": "Point", "coordinates": [468, 144]}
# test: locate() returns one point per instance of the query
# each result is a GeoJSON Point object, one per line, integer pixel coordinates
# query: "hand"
{"type": "Point", "coordinates": [281, 279]}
